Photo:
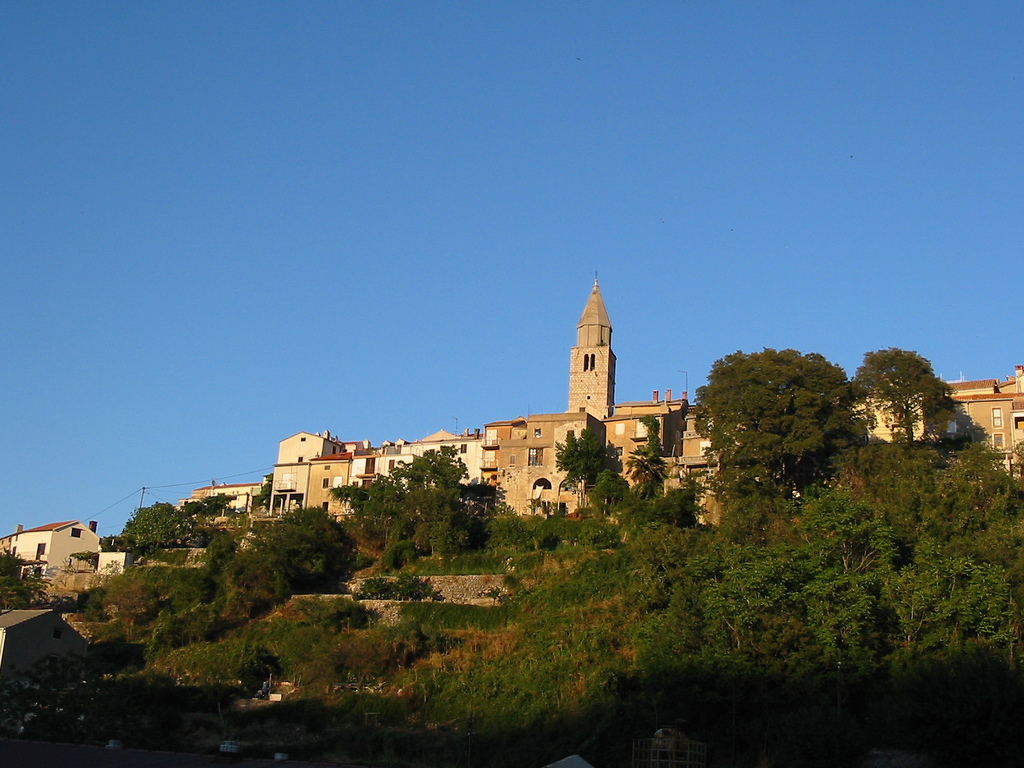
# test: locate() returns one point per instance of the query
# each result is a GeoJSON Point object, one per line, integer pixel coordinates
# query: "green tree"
{"type": "Point", "coordinates": [645, 466]}
{"type": "Point", "coordinates": [903, 390]}
{"type": "Point", "coordinates": [581, 458]}
{"type": "Point", "coordinates": [261, 500]}
{"type": "Point", "coordinates": [420, 501]}
{"type": "Point", "coordinates": [161, 525]}
{"type": "Point", "coordinates": [775, 420]}
{"type": "Point", "coordinates": [15, 591]}
{"type": "Point", "coordinates": [899, 481]}
{"type": "Point", "coordinates": [609, 489]}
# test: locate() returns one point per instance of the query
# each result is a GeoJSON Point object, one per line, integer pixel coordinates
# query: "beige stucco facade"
{"type": "Point", "coordinates": [291, 481]}
{"type": "Point", "coordinates": [991, 411]}
{"type": "Point", "coordinates": [239, 495]}
{"type": "Point", "coordinates": [325, 474]}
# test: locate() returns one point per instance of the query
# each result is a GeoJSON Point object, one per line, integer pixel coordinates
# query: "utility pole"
{"type": "Point", "coordinates": [142, 496]}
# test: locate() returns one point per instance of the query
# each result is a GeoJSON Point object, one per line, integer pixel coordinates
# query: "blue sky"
{"type": "Point", "coordinates": [221, 224]}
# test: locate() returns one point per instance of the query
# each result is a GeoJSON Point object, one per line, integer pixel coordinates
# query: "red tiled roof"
{"type": "Point", "coordinates": [976, 384]}
{"type": "Point", "coordinates": [49, 527]}
{"type": "Point", "coordinates": [334, 457]}
{"type": "Point", "coordinates": [983, 396]}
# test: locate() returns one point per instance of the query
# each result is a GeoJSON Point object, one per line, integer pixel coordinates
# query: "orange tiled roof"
{"type": "Point", "coordinates": [976, 384]}
{"type": "Point", "coordinates": [983, 396]}
{"type": "Point", "coordinates": [49, 527]}
{"type": "Point", "coordinates": [228, 485]}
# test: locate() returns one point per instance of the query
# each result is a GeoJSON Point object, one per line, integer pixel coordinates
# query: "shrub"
{"type": "Point", "coordinates": [405, 587]}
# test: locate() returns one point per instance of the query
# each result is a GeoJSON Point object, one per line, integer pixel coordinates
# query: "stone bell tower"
{"type": "Point", "coordinates": [592, 362]}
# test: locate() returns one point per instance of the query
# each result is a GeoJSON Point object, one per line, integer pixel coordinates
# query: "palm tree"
{"type": "Point", "coordinates": [645, 466]}
{"type": "Point", "coordinates": [647, 470]}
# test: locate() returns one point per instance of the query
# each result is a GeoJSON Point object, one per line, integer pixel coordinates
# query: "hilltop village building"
{"type": "Point", "coordinates": [518, 456]}
{"type": "Point", "coordinates": [46, 549]}
{"type": "Point", "coordinates": [991, 411]}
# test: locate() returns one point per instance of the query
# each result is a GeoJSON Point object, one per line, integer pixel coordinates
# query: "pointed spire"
{"type": "Point", "coordinates": [594, 328]}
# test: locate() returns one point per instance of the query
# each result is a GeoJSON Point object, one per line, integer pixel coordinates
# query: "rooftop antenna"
{"type": "Point", "coordinates": [456, 424]}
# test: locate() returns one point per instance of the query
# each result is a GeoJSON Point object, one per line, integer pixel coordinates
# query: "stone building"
{"type": "Point", "coordinates": [592, 362]}
{"type": "Point", "coordinates": [521, 452]}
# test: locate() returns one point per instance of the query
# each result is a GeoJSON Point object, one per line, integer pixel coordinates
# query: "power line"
{"type": "Point", "coordinates": [120, 501]}
{"type": "Point", "coordinates": [260, 471]}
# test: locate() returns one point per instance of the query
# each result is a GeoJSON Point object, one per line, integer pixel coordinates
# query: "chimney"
{"type": "Point", "coordinates": [19, 528]}
{"type": "Point", "coordinates": [684, 394]}
{"type": "Point", "coordinates": [654, 396]}
{"type": "Point", "coordinates": [668, 395]}
{"type": "Point", "coordinates": [92, 526]}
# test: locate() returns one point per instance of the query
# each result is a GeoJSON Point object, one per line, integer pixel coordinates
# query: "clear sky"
{"type": "Point", "coordinates": [224, 223]}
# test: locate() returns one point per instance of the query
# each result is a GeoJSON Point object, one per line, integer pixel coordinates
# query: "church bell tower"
{"type": "Point", "coordinates": [592, 362]}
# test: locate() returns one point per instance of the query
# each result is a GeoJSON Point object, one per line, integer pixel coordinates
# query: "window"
{"type": "Point", "coordinates": [58, 633]}
{"type": "Point", "coordinates": [300, 459]}
{"type": "Point", "coordinates": [463, 448]}
{"type": "Point", "coordinates": [997, 440]}
{"type": "Point", "coordinates": [391, 464]}
{"type": "Point", "coordinates": [326, 505]}
{"type": "Point", "coordinates": [536, 457]}
{"type": "Point", "coordinates": [997, 417]}
{"type": "Point", "coordinates": [618, 451]}
{"type": "Point", "coordinates": [570, 433]}
{"type": "Point", "coordinates": [327, 482]}
{"type": "Point", "coordinates": [537, 432]}
{"type": "Point", "coordinates": [302, 439]}
{"type": "Point", "coordinates": [512, 460]}
{"type": "Point", "coordinates": [76, 533]}
{"type": "Point", "coordinates": [40, 551]}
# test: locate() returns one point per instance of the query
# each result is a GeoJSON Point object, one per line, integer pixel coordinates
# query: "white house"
{"type": "Point", "coordinates": [48, 548]}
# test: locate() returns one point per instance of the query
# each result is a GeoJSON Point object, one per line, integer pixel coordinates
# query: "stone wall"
{"type": "Point", "coordinates": [461, 590]}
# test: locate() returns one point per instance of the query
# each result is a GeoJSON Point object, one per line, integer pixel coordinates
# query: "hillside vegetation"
{"type": "Point", "coordinates": [872, 602]}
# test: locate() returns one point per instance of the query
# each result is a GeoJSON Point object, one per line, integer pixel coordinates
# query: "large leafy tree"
{"type": "Point", "coordinates": [581, 458]}
{"type": "Point", "coordinates": [420, 501]}
{"type": "Point", "coordinates": [775, 420]}
{"type": "Point", "coordinates": [161, 525]}
{"type": "Point", "coordinates": [902, 389]}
